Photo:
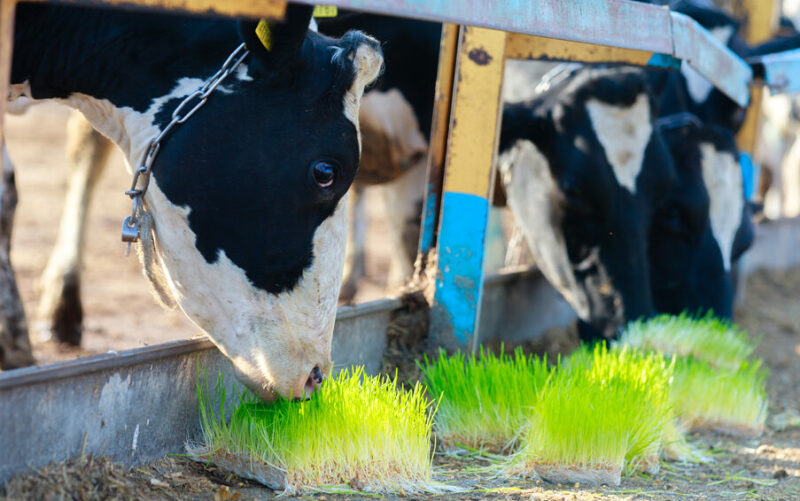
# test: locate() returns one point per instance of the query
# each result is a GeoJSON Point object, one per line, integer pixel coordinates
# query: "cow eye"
{"type": "Point", "coordinates": [324, 173]}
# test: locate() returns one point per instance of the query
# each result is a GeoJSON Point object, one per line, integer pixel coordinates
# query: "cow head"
{"type": "Point", "coordinates": [702, 227]}
{"type": "Point", "coordinates": [689, 90]}
{"type": "Point", "coordinates": [583, 171]}
{"type": "Point", "coordinates": [247, 198]}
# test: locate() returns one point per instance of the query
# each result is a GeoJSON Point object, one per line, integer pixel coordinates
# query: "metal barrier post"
{"type": "Point", "coordinates": [468, 183]}
{"type": "Point", "coordinates": [437, 142]}
{"type": "Point", "coordinates": [760, 26]}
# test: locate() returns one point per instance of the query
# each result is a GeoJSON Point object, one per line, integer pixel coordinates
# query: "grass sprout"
{"type": "Point", "coordinates": [358, 432]}
{"type": "Point", "coordinates": [718, 342]}
{"type": "Point", "coordinates": [485, 399]}
{"type": "Point", "coordinates": [731, 401]}
{"type": "Point", "coordinates": [603, 411]}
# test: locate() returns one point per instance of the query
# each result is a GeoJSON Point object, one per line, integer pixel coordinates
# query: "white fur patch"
{"type": "Point", "coordinates": [722, 176]}
{"type": "Point", "coordinates": [624, 132]}
{"type": "Point", "coordinates": [270, 338]}
{"type": "Point", "coordinates": [529, 187]}
{"type": "Point", "coordinates": [699, 87]}
{"type": "Point", "coordinates": [368, 64]}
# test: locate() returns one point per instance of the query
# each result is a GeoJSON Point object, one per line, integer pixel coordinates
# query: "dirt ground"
{"type": "Point", "coordinates": [119, 311]}
{"type": "Point", "coordinates": [766, 468]}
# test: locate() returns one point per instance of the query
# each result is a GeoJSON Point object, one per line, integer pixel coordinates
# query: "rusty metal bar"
{"type": "Point", "coordinates": [269, 9]}
{"type": "Point", "coordinates": [541, 48]}
{"type": "Point", "coordinates": [616, 23]}
{"type": "Point", "coordinates": [468, 184]}
{"type": "Point", "coordinates": [780, 71]}
{"type": "Point", "coordinates": [729, 73]}
{"type": "Point", "coordinates": [438, 139]}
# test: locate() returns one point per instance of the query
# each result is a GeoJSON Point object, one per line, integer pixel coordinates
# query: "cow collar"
{"type": "Point", "coordinates": [131, 226]}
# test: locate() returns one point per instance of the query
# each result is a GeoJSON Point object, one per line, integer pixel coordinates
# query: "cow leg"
{"type": "Point", "coordinates": [15, 346]}
{"type": "Point", "coordinates": [60, 313]}
{"type": "Point", "coordinates": [403, 200]}
{"type": "Point", "coordinates": [355, 266]}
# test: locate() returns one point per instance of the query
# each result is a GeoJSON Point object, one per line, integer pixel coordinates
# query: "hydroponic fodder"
{"type": "Point", "coordinates": [361, 431]}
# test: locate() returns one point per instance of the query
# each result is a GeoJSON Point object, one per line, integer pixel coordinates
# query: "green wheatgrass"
{"type": "Point", "coordinates": [484, 399]}
{"type": "Point", "coordinates": [732, 401]}
{"type": "Point", "coordinates": [719, 342]}
{"type": "Point", "coordinates": [358, 430]}
{"type": "Point", "coordinates": [603, 411]}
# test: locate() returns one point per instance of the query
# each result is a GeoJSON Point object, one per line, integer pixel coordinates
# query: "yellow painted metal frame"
{"type": "Point", "coordinates": [468, 183]}
{"type": "Point", "coordinates": [761, 25]}
{"type": "Point", "coordinates": [522, 46]}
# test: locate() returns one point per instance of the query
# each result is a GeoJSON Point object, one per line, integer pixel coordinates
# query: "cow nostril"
{"type": "Point", "coordinates": [316, 375]}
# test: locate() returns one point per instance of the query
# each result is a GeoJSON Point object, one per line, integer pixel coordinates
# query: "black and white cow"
{"type": "Point", "coordinates": [584, 169]}
{"type": "Point", "coordinates": [703, 226]}
{"type": "Point", "coordinates": [246, 195]}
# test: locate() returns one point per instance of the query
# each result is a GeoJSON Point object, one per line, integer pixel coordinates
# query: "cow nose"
{"type": "Point", "coordinates": [316, 375]}
{"type": "Point", "coordinates": [311, 384]}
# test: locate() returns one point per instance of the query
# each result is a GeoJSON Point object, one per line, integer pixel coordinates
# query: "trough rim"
{"type": "Point", "coordinates": [135, 356]}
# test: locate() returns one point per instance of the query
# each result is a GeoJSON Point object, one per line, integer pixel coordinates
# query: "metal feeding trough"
{"type": "Point", "coordinates": [138, 405]}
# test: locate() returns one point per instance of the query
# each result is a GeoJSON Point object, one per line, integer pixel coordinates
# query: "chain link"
{"type": "Point", "coordinates": [182, 113]}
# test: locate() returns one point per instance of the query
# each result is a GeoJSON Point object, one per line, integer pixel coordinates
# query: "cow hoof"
{"type": "Point", "coordinates": [63, 319]}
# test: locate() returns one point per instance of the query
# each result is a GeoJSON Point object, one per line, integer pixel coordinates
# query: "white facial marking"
{"type": "Point", "coordinates": [529, 187]}
{"type": "Point", "coordinates": [368, 64]}
{"type": "Point", "coordinates": [698, 86]}
{"type": "Point", "coordinates": [624, 132]}
{"type": "Point", "coordinates": [723, 179]}
{"type": "Point", "coordinates": [263, 334]}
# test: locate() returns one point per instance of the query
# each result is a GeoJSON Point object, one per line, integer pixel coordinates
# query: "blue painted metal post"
{"type": "Point", "coordinates": [468, 183]}
{"type": "Point", "coordinates": [438, 139]}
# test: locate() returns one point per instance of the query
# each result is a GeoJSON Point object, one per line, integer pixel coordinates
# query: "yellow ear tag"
{"type": "Point", "coordinates": [264, 34]}
{"type": "Point", "coordinates": [326, 11]}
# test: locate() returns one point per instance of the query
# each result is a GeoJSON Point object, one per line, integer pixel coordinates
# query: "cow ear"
{"type": "Point", "coordinates": [275, 43]}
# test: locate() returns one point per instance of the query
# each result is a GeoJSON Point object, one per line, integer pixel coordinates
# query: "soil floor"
{"type": "Point", "coordinates": [120, 313]}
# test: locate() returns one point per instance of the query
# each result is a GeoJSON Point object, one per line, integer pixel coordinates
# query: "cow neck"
{"type": "Point", "coordinates": [125, 58]}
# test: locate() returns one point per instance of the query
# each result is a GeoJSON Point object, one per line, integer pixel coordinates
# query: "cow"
{"type": "Point", "coordinates": [584, 169]}
{"type": "Point", "coordinates": [704, 225]}
{"type": "Point", "coordinates": [246, 196]}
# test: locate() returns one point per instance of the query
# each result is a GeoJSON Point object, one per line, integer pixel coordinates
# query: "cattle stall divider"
{"type": "Point", "coordinates": [140, 404]}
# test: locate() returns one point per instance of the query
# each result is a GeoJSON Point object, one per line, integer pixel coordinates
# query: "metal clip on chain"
{"type": "Point", "coordinates": [187, 108]}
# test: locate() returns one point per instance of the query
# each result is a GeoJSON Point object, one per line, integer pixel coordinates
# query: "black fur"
{"type": "Point", "coordinates": [597, 216]}
{"type": "Point", "coordinates": [686, 263]}
{"type": "Point", "coordinates": [241, 163]}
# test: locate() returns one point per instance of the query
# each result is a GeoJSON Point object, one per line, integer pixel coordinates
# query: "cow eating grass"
{"type": "Point", "coordinates": [584, 170]}
{"type": "Point", "coordinates": [247, 195]}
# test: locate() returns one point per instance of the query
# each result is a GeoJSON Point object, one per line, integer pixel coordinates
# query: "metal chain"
{"type": "Point", "coordinates": [187, 108]}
